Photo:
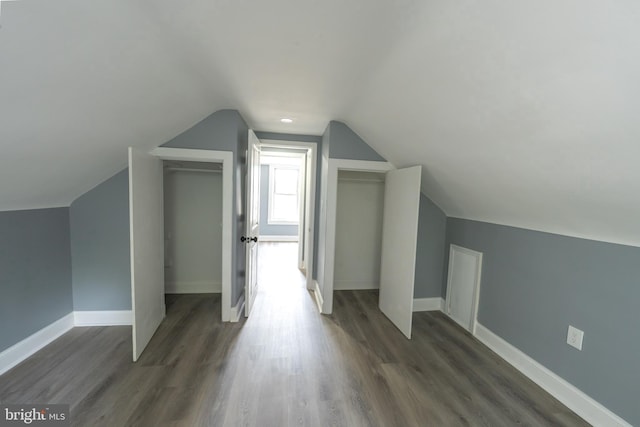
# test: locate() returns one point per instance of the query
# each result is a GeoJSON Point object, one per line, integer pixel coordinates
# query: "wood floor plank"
{"type": "Point", "coordinates": [286, 365]}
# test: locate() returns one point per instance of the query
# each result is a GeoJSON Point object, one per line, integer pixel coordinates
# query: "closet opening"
{"type": "Point", "coordinates": [193, 232]}
{"type": "Point", "coordinates": [370, 229]}
{"type": "Point", "coordinates": [358, 235]}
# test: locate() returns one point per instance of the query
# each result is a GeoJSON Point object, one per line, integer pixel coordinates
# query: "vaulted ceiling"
{"type": "Point", "coordinates": [522, 113]}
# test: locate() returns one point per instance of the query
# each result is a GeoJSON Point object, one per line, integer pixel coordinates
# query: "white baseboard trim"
{"type": "Point", "coordinates": [28, 346]}
{"type": "Point", "coordinates": [318, 294]}
{"type": "Point", "coordinates": [428, 304]}
{"type": "Point", "coordinates": [198, 287]}
{"type": "Point", "coordinates": [103, 318]}
{"type": "Point", "coordinates": [237, 310]}
{"type": "Point", "coordinates": [354, 285]}
{"type": "Point", "coordinates": [573, 398]}
{"type": "Point", "coordinates": [278, 238]}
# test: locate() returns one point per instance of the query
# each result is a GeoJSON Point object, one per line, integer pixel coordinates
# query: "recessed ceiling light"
{"type": "Point", "coordinates": [286, 120]}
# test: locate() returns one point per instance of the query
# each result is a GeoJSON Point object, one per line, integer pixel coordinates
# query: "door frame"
{"type": "Point", "coordinates": [476, 286]}
{"type": "Point", "coordinates": [311, 159]}
{"type": "Point", "coordinates": [325, 301]}
{"type": "Point", "coordinates": [226, 158]}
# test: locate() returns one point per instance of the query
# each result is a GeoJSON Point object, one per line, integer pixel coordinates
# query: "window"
{"type": "Point", "coordinates": [283, 194]}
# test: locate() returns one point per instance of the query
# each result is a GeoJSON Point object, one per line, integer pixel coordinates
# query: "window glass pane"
{"type": "Point", "coordinates": [285, 181]}
{"type": "Point", "coordinates": [285, 208]}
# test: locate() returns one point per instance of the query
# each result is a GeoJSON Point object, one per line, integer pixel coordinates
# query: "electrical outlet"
{"type": "Point", "coordinates": [574, 337]}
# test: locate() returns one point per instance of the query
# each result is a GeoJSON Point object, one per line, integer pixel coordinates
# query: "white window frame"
{"type": "Point", "coordinates": [272, 168]}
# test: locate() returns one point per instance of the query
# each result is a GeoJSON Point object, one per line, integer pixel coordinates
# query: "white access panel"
{"type": "Point", "coordinates": [462, 286]}
{"type": "Point", "coordinates": [146, 222]}
{"type": "Point", "coordinates": [399, 242]}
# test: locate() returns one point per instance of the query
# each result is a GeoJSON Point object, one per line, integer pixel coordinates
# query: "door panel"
{"type": "Point", "coordinates": [146, 222]}
{"type": "Point", "coordinates": [253, 224]}
{"type": "Point", "coordinates": [399, 241]}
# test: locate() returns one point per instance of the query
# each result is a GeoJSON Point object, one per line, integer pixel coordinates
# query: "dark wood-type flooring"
{"type": "Point", "coordinates": [286, 365]}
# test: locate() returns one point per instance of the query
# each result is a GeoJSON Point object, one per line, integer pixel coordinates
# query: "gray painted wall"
{"type": "Point", "coordinates": [267, 229]}
{"type": "Point", "coordinates": [100, 246]}
{"type": "Point", "coordinates": [225, 130]}
{"type": "Point", "coordinates": [430, 251]}
{"type": "Point", "coordinates": [217, 131]}
{"type": "Point", "coordinates": [35, 272]}
{"type": "Point", "coordinates": [346, 144]}
{"type": "Point", "coordinates": [534, 285]}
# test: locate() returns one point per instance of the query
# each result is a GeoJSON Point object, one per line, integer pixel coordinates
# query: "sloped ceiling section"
{"type": "Point", "coordinates": [522, 113]}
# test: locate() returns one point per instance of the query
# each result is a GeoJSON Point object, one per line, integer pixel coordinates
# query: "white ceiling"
{"type": "Point", "coordinates": [522, 113]}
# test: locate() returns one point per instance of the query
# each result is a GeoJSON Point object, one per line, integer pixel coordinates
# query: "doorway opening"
{"type": "Point", "coordinates": [287, 200]}
{"type": "Point", "coordinates": [286, 212]}
{"type": "Point", "coordinates": [281, 264]}
{"type": "Point", "coordinates": [281, 195]}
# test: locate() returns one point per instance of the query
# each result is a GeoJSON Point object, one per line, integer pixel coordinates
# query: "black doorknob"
{"type": "Point", "coordinates": [245, 239]}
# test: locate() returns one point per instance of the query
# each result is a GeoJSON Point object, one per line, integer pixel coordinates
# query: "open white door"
{"type": "Point", "coordinates": [146, 222]}
{"type": "Point", "coordinates": [253, 221]}
{"type": "Point", "coordinates": [399, 240]}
